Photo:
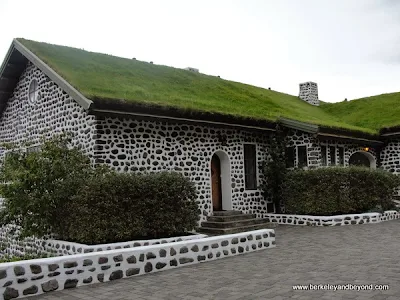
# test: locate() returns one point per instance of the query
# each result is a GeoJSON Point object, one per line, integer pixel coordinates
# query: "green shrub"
{"type": "Point", "coordinates": [56, 190]}
{"type": "Point", "coordinates": [116, 207]}
{"type": "Point", "coordinates": [331, 191]}
{"type": "Point", "coordinates": [38, 186]}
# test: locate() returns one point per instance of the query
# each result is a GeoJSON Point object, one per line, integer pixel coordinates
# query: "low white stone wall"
{"type": "Point", "coordinates": [338, 220]}
{"type": "Point", "coordinates": [32, 277]}
{"type": "Point", "coordinates": [57, 247]}
{"type": "Point", "coordinates": [12, 245]}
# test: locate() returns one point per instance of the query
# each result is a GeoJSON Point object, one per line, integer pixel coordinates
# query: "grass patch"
{"type": "Point", "coordinates": [98, 75]}
{"type": "Point", "coordinates": [374, 112]}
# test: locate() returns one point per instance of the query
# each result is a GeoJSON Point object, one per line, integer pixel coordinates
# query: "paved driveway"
{"type": "Point", "coordinates": [358, 254]}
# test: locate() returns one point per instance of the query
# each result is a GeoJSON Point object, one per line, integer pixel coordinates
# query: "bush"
{"type": "Point", "coordinates": [116, 207]}
{"type": "Point", "coordinates": [56, 190]}
{"type": "Point", "coordinates": [331, 191]}
{"type": "Point", "coordinates": [38, 186]}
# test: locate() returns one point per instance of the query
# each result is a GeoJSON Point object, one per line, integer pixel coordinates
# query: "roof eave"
{"type": "Point", "coordinates": [61, 82]}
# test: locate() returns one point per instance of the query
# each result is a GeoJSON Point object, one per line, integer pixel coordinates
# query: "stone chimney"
{"type": "Point", "coordinates": [309, 93]}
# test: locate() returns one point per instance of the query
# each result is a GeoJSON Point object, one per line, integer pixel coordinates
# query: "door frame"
{"type": "Point", "coordinates": [226, 190]}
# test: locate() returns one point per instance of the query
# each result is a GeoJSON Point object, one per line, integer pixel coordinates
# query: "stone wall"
{"type": "Point", "coordinates": [55, 111]}
{"type": "Point", "coordinates": [33, 277]}
{"type": "Point", "coordinates": [339, 220]}
{"type": "Point", "coordinates": [309, 92]}
{"type": "Point", "coordinates": [148, 146]}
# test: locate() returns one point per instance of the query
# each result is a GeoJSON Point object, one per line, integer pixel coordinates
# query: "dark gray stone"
{"type": "Point", "coordinates": [160, 265]}
{"type": "Point", "coordinates": [30, 290]}
{"type": "Point", "coordinates": [131, 259]}
{"type": "Point", "coordinates": [141, 257]}
{"type": "Point", "coordinates": [22, 280]}
{"type": "Point", "coordinates": [235, 241]}
{"type": "Point", "coordinates": [103, 260]}
{"type": "Point", "coordinates": [19, 271]}
{"type": "Point", "coordinates": [240, 249]}
{"type": "Point", "coordinates": [215, 245]}
{"type": "Point", "coordinates": [88, 280]}
{"type": "Point", "coordinates": [173, 263]}
{"type": "Point", "coordinates": [10, 293]}
{"type": "Point", "coordinates": [150, 255]}
{"type": "Point", "coordinates": [224, 243]}
{"type": "Point", "coordinates": [37, 277]}
{"type": "Point", "coordinates": [3, 274]}
{"type": "Point", "coordinates": [172, 252]}
{"type": "Point", "coordinates": [50, 285]}
{"type": "Point", "coordinates": [195, 248]}
{"type": "Point", "coordinates": [70, 264]}
{"type": "Point", "coordinates": [70, 283]}
{"type": "Point", "coordinates": [132, 271]}
{"type": "Point", "coordinates": [184, 250]}
{"type": "Point", "coordinates": [105, 267]}
{"type": "Point", "coordinates": [201, 257]}
{"type": "Point", "coordinates": [53, 267]}
{"type": "Point", "coordinates": [87, 262]}
{"type": "Point", "coordinates": [116, 275]}
{"type": "Point", "coordinates": [185, 260]}
{"type": "Point", "coordinates": [118, 258]}
{"type": "Point", "coordinates": [148, 267]}
{"type": "Point", "coordinates": [163, 253]}
{"type": "Point", "coordinates": [54, 274]}
{"type": "Point", "coordinates": [100, 277]}
{"type": "Point", "coordinates": [8, 283]}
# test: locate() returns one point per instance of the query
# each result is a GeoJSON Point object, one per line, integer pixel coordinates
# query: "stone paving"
{"type": "Point", "coordinates": [358, 254]}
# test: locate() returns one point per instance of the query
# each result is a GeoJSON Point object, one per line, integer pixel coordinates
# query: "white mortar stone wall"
{"type": "Point", "coordinates": [309, 93]}
{"type": "Point", "coordinates": [338, 220]}
{"type": "Point", "coordinates": [33, 277]}
{"type": "Point", "coordinates": [55, 111]}
{"type": "Point", "coordinates": [147, 146]}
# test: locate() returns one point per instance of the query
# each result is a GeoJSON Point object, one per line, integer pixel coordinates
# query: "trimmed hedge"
{"type": "Point", "coordinates": [116, 207]}
{"type": "Point", "coordinates": [337, 190]}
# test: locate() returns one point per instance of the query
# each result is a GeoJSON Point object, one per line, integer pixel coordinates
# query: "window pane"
{"type": "Point", "coordinates": [332, 153]}
{"type": "Point", "coordinates": [289, 153]}
{"type": "Point", "coordinates": [250, 166]}
{"type": "Point", "coordinates": [302, 156]}
{"type": "Point", "coordinates": [341, 156]}
{"type": "Point", "coordinates": [323, 158]}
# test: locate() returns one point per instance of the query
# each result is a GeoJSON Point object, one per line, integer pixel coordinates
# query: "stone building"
{"type": "Point", "coordinates": [220, 151]}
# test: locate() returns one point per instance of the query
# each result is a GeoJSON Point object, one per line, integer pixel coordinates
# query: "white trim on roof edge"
{"type": "Point", "coordinates": [61, 82]}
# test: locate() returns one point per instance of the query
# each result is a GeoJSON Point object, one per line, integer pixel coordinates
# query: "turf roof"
{"type": "Point", "coordinates": [100, 76]}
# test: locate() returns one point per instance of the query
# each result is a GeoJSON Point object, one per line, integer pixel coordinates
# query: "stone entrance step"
{"type": "Point", "coordinates": [227, 213]}
{"type": "Point", "coordinates": [227, 222]}
{"type": "Point", "coordinates": [232, 224]}
{"type": "Point", "coordinates": [218, 231]}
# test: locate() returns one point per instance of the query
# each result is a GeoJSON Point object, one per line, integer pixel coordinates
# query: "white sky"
{"type": "Point", "coordinates": [351, 48]}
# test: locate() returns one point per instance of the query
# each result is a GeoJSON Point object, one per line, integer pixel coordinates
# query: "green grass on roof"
{"type": "Point", "coordinates": [374, 112]}
{"type": "Point", "coordinates": [98, 75]}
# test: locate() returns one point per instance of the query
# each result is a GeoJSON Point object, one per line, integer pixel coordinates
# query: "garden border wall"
{"type": "Point", "coordinates": [37, 276]}
{"type": "Point", "coordinates": [338, 220]}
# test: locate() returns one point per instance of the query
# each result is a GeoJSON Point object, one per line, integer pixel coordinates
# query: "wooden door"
{"type": "Point", "coordinates": [216, 183]}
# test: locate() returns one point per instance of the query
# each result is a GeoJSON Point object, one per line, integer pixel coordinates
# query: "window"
{"type": "Point", "coordinates": [341, 156]}
{"type": "Point", "coordinates": [250, 167]}
{"type": "Point", "coordinates": [302, 156]}
{"type": "Point", "coordinates": [324, 160]}
{"type": "Point", "coordinates": [298, 153]}
{"type": "Point", "coordinates": [33, 91]}
{"type": "Point", "coordinates": [290, 154]}
{"type": "Point", "coordinates": [332, 153]}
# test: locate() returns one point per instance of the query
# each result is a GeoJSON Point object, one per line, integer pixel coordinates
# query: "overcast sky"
{"type": "Point", "coordinates": [351, 48]}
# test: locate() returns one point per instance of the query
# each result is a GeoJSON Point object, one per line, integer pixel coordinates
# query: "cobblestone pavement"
{"type": "Point", "coordinates": [358, 254]}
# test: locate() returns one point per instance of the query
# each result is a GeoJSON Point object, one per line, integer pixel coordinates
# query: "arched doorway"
{"type": "Point", "coordinates": [221, 181]}
{"type": "Point", "coordinates": [362, 159]}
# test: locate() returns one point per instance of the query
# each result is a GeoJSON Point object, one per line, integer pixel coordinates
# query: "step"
{"type": "Point", "coordinates": [227, 213]}
{"type": "Point", "coordinates": [232, 224]}
{"type": "Point", "coordinates": [215, 231]}
{"type": "Point", "coordinates": [230, 218]}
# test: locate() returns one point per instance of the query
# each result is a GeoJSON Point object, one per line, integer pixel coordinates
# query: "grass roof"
{"type": "Point", "coordinates": [101, 76]}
